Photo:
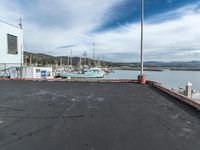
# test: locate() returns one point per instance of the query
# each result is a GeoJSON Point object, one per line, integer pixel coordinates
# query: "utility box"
{"type": "Point", "coordinates": [37, 72]}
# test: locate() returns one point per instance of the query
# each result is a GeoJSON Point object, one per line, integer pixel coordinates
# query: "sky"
{"type": "Point", "coordinates": [55, 27]}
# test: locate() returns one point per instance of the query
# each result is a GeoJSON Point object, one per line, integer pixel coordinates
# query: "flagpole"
{"type": "Point", "coordinates": [142, 77]}
{"type": "Point", "coordinates": [142, 29]}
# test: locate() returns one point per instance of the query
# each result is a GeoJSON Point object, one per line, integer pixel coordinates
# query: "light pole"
{"type": "Point", "coordinates": [142, 77]}
{"type": "Point", "coordinates": [142, 28]}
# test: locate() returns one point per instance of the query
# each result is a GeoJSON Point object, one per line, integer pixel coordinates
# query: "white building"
{"type": "Point", "coordinates": [30, 72]}
{"type": "Point", "coordinates": [37, 72]}
{"type": "Point", "coordinates": [11, 45]}
{"type": "Point", "coordinates": [11, 55]}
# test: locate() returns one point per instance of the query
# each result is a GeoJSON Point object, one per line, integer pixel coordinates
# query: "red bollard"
{"type": "Point", "coordinates": [142, 79]}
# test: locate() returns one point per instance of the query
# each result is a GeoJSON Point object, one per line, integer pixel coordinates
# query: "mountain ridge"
{"type": "Point", "coordinates": [49, 59]}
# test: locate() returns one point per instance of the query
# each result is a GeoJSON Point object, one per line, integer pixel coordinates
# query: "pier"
{"type": "Point", "coordinates": [76, 115]}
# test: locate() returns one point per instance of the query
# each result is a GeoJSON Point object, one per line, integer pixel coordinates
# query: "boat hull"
{"type": "Point", "coordinates": [83, 75]}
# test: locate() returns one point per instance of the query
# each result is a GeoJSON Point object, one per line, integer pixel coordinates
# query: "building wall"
{"type": "Point", "coordinates": [37, 72]}
{"type": "Point", "coordinates": [27, 72]}
{"type": "Point", "coordinates": [5, 58]}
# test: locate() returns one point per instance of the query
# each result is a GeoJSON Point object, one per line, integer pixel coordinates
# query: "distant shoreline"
{"type": "Point", "coordinates": [185, 69]}
{"type": "Point", "coordinates": [157, 69]}
{"type": "Point", "coordinates": [138, 69]}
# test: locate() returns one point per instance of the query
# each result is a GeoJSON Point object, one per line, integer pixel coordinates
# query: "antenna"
{"type": "Point", "coordinates": [85, 57]}
{"type": "Point", "coordinates": [20, 23]}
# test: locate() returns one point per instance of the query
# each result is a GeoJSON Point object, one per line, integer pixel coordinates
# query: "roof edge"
{"type": "Point", "coordinates": [1, 21]}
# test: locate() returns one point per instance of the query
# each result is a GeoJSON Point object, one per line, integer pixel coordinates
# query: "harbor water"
{"type": "Point", "coordinates": [169, 79]}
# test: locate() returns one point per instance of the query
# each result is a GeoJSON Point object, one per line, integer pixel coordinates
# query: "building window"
{"type": "Point", "coordinates": [37, 70]}
{"type": "Point", "coordinates": [12, 44]}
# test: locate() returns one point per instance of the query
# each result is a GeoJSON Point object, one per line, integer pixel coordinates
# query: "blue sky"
{"type": "Point", "coordinates": [55, 27]}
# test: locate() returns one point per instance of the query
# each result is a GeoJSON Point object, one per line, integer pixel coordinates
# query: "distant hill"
{"type": "Point", "coordinates": [44, 59]}
{"type": "Point", "coordinates": [192, 64]}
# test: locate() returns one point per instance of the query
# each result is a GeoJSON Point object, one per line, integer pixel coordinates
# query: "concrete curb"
{"type": "Point", "coordinates": [72, 80]}
{"type": "Point", "coordinates": [176, 95]}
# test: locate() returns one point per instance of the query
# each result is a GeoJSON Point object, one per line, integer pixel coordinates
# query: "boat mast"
{"type": "Point", "coordinates": [71, 57]}
{"type": "Point", "coordinates": [85, 57]}
{"type": "Point", "coordinates": [67, 60]}
{"type": "Point", "coordinates": [61, 62]}
{"type": "Point", "coordinates": [80, 62]}
{"type": "Point", "coordinates": [94, 54]}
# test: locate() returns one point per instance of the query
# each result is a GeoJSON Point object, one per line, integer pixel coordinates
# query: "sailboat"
{"type": "Point", "coordinates": [86, 72]}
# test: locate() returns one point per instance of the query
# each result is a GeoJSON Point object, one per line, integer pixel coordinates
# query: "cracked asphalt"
{"type": "Point", "coordinates": [39, 115]}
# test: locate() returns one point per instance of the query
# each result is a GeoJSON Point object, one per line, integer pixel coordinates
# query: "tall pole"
{"type": "Point", "coordinates": [94, 54]}
{"type": "Point", "coordinates": [21, 62]}
{"type": "Point", "coordinates": [67, 60]}
{"type": "Point", "coordinates": [61, 62]}
{"type": "Point", "coordinates": [30, 61]}
{"type": "Point", "coordinates": [71, 57]}
{"type": "Point", "coordinates": [142, 26]}
{"type": "Point", "coordinates": [85, 55]}
{"type": "Point", "coordinates": [20, 25]}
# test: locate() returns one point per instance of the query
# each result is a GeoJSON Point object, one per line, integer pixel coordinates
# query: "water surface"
{"type": "Point", "coordinates": [170, 79]}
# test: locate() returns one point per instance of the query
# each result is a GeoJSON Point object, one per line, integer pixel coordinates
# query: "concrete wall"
{"type": "Point", "coordinates": [5, 58]}
{"type": "Point", "coordinates": [27, 72]}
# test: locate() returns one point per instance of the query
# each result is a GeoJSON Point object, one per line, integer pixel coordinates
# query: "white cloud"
{"type": "Point", "coordinates": [168, 37]}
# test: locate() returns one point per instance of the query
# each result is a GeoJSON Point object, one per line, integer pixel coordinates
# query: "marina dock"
{"type": "Point", "coordinates": [46, 115]}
